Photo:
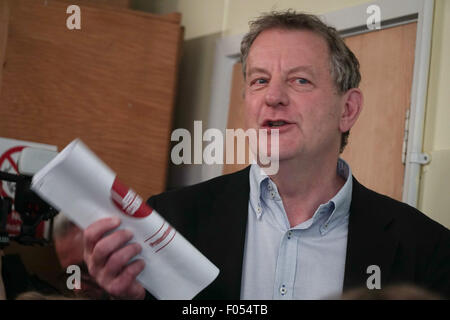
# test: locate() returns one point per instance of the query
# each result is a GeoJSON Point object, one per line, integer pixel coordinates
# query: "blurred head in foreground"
{"type": "Point", "coordinates": [68, 240]}
{"type": "Point", "coordinates": [393, 292]}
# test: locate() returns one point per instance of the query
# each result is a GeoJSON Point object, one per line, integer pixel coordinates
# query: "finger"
{"type": "Point", "coordinates": [125, 284]}
{"type": "Point", "coordinates": [96, 230]}
{"type": "Point", "coordinates": [108, 245]}
{"type": "Point", "coordinates": [121, 258]}
{"type": "Point", "coordinates": [136, 291]}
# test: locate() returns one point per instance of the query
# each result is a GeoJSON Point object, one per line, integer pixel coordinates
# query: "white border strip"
{"type": "Point", "coordinates": [418, 101]}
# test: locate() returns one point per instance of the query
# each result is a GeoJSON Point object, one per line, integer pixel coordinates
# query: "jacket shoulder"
{"type": "Point", "coordinates": [201, 191]}
{"type": "Point", "coordinates": [408, 216]}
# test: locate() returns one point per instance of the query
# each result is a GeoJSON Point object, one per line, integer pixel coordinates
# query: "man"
{"type": "Point", "coordinates": [311, 230]}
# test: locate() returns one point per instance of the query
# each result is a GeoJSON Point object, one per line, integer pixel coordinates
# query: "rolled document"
{"type": "Point", "coordinates": [78, 183]}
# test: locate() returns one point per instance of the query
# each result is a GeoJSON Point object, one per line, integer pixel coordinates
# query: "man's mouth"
{"type": "Point", "coordinates": [274, 123]}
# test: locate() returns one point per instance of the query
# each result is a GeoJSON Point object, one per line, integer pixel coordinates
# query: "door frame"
{"type": "Point", "coordinates": [348, 21]}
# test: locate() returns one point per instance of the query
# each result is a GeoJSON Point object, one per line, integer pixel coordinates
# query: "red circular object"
{"type": "Point", "coordinates": [13, 220]}
{"type": "Point", "coordinates": [6, 156]}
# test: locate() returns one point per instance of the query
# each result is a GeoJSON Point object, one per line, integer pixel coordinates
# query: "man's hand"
{"type": "Point", "coordinates": [107, 258]}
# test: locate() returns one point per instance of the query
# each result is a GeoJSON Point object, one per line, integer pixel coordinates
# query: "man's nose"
{"type": "Point", "coordinates": [276, 94]}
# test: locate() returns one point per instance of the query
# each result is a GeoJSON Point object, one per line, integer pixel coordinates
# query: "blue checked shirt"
{"type": "Point", "coordinates": [303, 262]}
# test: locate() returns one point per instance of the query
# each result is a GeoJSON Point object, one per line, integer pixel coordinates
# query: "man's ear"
{"type": "Point", "coordinates": [353, 101]}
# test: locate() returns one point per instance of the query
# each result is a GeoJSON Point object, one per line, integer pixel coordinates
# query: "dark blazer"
{"type": "Point", "coordinates": [406, 245]}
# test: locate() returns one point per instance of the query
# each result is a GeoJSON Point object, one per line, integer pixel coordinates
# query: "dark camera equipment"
{"type": "Point", "coordinates": [31, 208]}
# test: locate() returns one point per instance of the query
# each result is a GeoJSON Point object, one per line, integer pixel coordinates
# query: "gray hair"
{"type": "Point", "coordinates": [62, 226]}
{"type": "Point", "coordinates": [344, 66]}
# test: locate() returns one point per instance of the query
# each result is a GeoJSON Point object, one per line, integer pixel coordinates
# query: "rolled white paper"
{"type": "Point", "coordinates": [85, 189]}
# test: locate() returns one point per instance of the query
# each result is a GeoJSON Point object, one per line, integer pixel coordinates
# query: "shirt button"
{"type": "Point", "coordinates": [272, 194]}
{"type": "Point", "coordinates": [269, 187]}
{"type": "Point", "coordinates": [283, 290]}
{"type": "Point", "coordinates": [258, 209]}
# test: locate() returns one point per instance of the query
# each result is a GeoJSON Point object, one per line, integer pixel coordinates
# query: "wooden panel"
{"type": "Point", "coordinates": [375, 143]}
{"type": "Point", "coordinates": [114, 3]}
{"type": "Point", "coordinates": [112, 84]}
{"type": "Point", "coordinates": [4, 19]}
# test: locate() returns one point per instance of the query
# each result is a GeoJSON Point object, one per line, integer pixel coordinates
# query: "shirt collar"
{"type": "Point", "coordinates": [337, 208]}
{"type": "Point", "coordinates": [341, 201]}
{"type": "Point", "coordinates": [257, 177]}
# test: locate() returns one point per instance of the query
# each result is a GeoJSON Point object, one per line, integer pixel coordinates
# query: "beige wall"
{"type": "Point", "coordinates": [199, 17]}
{"type": "Point", "coordinates": [207, 20]}
{"type": "Point", "coordinates": [434, 198]}
{"type": "Point", "coordinates": [240, 12]}
{"type": "Point", "coordinates": [204, 17]}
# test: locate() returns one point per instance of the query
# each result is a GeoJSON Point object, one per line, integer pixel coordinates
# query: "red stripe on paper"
{"type": "Point", "coordinates": [131, 202]}
{"type": "Point", "coordinates": [119, 192]}
{"type": "Point", "coordinates": [156, 231]}
{"type": "Point", "coordinates": [166, 233]}
{"type": "Point", "coordinates": [167, 242]}
{"type": "Point", "coordinates": [120, 188]}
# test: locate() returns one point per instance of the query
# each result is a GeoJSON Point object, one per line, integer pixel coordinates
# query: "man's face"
{"type": "Point", "coordinates": [289, 87]}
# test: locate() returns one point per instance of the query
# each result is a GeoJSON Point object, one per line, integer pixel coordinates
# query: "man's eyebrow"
{"type": "Point", "coordinates": [257, 70]}
{"type": "Point", "coordinates": [308, 68]}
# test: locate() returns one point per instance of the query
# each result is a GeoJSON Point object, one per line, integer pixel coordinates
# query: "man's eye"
{"type": "Point", "coordinates": [301, 81]}
{"type": "Point", "coordinates": [259, 81]}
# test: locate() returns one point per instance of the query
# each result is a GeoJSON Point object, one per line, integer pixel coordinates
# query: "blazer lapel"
{"type": "Point", "coordinates": [225, 229]}
{"type": "Point", "coordinates": [370, 240]}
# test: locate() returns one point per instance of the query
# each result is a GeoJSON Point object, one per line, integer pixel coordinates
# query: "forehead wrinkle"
{"type": "Point", "coordinates": [264, 61]}
{"type": "Point", "coordinates": [303, 45]}
{"type": "Point", "coordinates": [257, 70]}
{"type": "Point", "coordinates": [306, 68]}
{"type": "Point", "coordinates": [309, 69]}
